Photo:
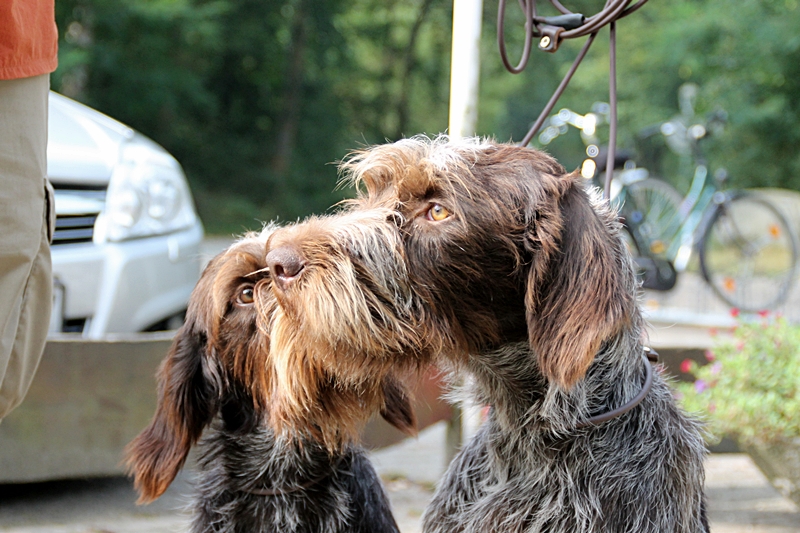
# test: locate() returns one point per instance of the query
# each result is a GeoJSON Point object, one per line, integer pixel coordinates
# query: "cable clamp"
{"type": "Point", "coordinates": [551, 37]}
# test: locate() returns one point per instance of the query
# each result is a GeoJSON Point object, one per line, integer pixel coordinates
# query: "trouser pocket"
{"type": "Point", "coordinates": [50, 209]}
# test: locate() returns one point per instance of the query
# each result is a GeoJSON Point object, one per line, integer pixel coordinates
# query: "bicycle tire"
{"type": "Point", "coordinates": [748, 253]}
{"type": "Point", "coordinates": [652, 205]}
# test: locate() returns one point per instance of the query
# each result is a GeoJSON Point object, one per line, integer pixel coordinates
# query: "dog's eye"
{"type": "Point", "coordinates": [246, 295]}
{"type": "Point", "coordinates": [437, 213]}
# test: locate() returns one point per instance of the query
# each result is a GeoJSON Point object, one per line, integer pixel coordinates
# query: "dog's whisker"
{"type": "Point", "coordinates": [264, 270]}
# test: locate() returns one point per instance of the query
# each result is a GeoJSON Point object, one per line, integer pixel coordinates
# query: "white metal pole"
{"type": "Point", "coordinates": [465, 67]}
{"type": "Point", "coordinates": [464, 72]}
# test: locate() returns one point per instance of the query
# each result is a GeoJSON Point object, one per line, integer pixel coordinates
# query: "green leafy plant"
{"type": "Point", "coordinates": [750, 388]}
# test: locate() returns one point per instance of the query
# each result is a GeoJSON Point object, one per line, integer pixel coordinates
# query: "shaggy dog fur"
{"type": "Point", "coordinates": [219, 372]}
{"type": "Point", "coordinates": [492, 260]}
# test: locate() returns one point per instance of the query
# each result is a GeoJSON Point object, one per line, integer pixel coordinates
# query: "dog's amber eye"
{"type": "Point", "coordinates": [246, 295]}
{"type": "Point", "coordinates": [437, 213]}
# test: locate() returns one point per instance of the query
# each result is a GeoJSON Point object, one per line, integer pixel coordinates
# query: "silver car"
{"type": "Point", "coordinates": [126, 246]}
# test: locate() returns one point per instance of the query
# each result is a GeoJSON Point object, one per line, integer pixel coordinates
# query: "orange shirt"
{"type": "Point", "coordinates": [28, 38]}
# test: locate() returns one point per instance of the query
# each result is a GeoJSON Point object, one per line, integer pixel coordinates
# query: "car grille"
{"type": "Point", "coordinates": [72, 229]}
{"type": "Point", "coordinates": [77, 225]}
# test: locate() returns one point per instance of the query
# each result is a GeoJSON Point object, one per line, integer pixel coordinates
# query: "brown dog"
{"type": "Point", "coordinates": [494, 261]}
{"type": "Point", "coordinates": [220, 372]}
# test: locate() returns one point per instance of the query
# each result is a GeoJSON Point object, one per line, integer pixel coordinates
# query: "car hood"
{"type": "Point", "coordinates": [84, 146]}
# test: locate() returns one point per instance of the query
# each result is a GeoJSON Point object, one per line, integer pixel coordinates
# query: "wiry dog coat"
{"type": "Point", "coordinates": [491, 259]}
{"type": "Point", "coordinates": [219, 372]}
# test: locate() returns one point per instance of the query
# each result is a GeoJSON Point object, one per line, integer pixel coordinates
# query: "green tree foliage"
{"type": "Point", "coordinates": [399, 84]}
{"type": "Point", "coordinates": [257, 99]}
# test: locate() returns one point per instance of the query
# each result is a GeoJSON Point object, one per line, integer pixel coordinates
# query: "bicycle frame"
{"type": "Point", "coordinates": [684, 231]}
{"type": "Point", "coordinates": [694, 210]}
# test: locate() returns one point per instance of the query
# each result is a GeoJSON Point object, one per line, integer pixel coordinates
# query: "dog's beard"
{"type": "Point", "coordinates": [326, 393]}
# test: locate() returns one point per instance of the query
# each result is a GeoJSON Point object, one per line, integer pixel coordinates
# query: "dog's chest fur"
{"type": "Point", "coordinates": [530, 470]}
{"type": "Point", "coordinates": [336, 495]}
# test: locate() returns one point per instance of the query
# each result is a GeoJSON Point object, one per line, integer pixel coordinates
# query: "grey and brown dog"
{"type": "Point", "coordinates": [491, 260]}
{"type": "Point", "coordinates": [220, 373]}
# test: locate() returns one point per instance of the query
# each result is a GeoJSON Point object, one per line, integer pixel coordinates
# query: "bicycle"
{"type": "Point", "coordinates": [746, 247]}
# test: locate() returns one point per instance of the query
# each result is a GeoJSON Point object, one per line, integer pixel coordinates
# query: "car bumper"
{"type": "Point", "coordinates": [124, 287]}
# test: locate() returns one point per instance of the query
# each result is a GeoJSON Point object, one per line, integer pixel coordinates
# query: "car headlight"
{"type": "Point", "coordinates": [147, 195]}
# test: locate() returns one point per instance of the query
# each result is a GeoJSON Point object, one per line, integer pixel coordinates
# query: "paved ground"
{"type": "Point", "coordinates": [741, 500]}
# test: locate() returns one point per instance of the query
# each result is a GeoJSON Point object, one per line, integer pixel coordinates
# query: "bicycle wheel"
{"type": "Point", "coordinates": [651, 211]}
{"type": "Point", "coordinates": [748, 253]}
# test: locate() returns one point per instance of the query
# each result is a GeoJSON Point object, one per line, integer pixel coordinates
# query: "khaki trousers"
{"type": "Point", "coordinates": [26, 284]}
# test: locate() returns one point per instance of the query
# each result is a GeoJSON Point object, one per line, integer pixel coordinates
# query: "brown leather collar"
{"type": "Point", "coordinates": [650, 356]}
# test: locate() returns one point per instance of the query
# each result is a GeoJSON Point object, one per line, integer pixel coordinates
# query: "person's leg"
{"type": "Point", "coordinates": [25, 269]}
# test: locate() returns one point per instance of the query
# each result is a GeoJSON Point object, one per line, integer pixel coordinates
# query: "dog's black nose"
{"type": "Point", "coordinates": [286, 263]}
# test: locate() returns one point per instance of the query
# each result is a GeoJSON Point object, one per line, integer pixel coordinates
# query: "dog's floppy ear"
{"type": "Point", "coordinates": [188, 393]}
{"type": "Point", "coordinates": [397, 408]}
{"type": "Point", "coordinates": [576, 294]}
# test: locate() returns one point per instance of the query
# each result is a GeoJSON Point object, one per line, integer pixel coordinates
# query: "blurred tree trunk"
{"type": "Point", "coordinates": [403, 106]}
{"type": "Point", "coordinates": [292, 96]}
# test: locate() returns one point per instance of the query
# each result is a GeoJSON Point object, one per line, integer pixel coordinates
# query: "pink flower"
{"type": "Point", "coordinates": [764, 313]}
{"type": "Point", "coordinates": [740, 346]}
{"type": "Point", "coordinates": [734, 312]}
{"type": "Point", "coordinates": [700, 386]}
{"type": "Point", "coordinates": [712, 407]}
{"type": "Point", "coordinates": [713, 332]}
{"type": "Point", "coordinates": [715, 368]}
{"type": "Point", "coordinates": [687, 365]}
{"type": "Point", "coordinates": [710, 355]}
